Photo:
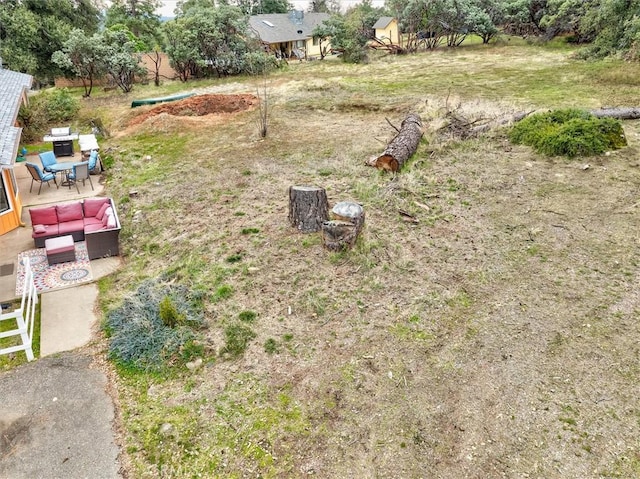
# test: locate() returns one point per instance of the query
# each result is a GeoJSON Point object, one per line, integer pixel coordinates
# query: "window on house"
{"type": "Point", "coordinates": [4, 199]}
{"type": "Point", "coordinates": [316, 41]}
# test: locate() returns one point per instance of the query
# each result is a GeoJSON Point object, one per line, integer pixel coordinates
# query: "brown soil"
{"type": "Point", "coordinates": [201, 105]}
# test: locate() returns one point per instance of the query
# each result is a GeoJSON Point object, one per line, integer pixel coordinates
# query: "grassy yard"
{"type": "Point", "coordinates": [496, 336]}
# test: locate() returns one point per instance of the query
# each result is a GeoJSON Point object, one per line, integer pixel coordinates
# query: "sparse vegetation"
{"type": "Point", "coordinates": [460, 330]}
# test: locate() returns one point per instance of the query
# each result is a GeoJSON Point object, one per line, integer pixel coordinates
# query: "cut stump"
{"type": "Point", "coordinates": [342, 231]}
{"type": "Point", "coordinates": [308, 208]}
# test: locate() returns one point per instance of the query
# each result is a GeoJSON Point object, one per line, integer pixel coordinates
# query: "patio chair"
{"type": "Point", "coordinates": [47, 158]}
{"type": "Point", "coordinates": [38, 175]}
{"type": "Point", "coordinates": [80, 172]}
{"type": "Point", "coordinates": [94, 157]}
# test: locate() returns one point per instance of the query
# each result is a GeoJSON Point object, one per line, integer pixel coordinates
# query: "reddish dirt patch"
{"type": "Point", "coordinates": [201, 105]}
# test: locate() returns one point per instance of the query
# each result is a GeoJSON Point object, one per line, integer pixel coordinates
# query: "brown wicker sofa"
{"type": "Point", "coordinates": [92, 220]}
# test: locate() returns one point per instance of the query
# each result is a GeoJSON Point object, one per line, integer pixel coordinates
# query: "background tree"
{"type": "Point", "coordinates": [324, 6]}
{"type": "Point", "coordinates": [31, 30]}
{"type": "Point", "coordinates": [82, 56]}
{"type": "Point", "coordinates": [323, 33]}
{"type": "Point", "coordinates": [565, 16]}
{"type": "Point", "coordinates": [614, 27]}
{"type": "Point", "coordinates": [181, 48]}
{"type": "Point", "coordinates": [422, 22]}
{"type": "Point", "coordinates": [122, 58]}
{"type": "Point", "coordinates": [524, 17]}
{"type": "Point", "coordinates": [486, 18]}
{"type": "Point", "coordinates": [275, 6]}
{"type": "Point", "coordinates": [140, 18]}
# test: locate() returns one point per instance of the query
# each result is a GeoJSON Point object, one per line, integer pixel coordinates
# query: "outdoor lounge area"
{"type": "Point", "coordinates": [96, 248]}
{"type": "Point", "coordinates": [92, 220]}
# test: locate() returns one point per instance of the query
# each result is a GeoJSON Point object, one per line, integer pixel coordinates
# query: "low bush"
{"type": "Point", "coordinates": [155, 328]}
{"type": "Point", "coordinates": [47, 109]}
{"type": "Point", "coordinates": [568, 133]}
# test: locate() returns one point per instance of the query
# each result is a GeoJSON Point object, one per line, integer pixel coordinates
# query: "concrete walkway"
{"type": "Point", "coordinates": [56, 421]}
{"type": "Point", "coordinates": [56, 416]}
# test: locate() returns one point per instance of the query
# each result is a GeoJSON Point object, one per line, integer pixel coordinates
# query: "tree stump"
{"type": "Point", "coordinates": [308, 208]}
{"type": "Point", "coordinates": [402, 146]}
{"type": "Point", "coordinates": [342, 231]}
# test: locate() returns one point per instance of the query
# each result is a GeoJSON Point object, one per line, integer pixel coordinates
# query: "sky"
{"type": "Point", "coordinates": [170, 5]}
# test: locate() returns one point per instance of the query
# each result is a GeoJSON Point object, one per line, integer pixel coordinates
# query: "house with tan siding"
{"type": "Point", "coordinates": [387, 31]}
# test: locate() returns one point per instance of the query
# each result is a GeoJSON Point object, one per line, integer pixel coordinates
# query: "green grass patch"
{"type": "Point", "coordinates": [236, 340]}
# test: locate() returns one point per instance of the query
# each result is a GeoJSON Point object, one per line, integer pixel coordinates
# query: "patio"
{"type": "Point", "coordinates": [65, 324]}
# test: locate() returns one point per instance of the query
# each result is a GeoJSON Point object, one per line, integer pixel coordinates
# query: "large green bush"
{"type": "Point", "coordinates": [47, 109]}
{"type": "Point", "coordinates": [154, 328]}
{"type": "Point", "coordinates": [569, 133]}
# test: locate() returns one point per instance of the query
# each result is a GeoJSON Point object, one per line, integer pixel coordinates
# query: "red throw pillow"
{"type": "Point", "coordinates": [100, 212]}
{"type": "Point", "coordinates": [69, 212]}
{"type": "Point", "coordinates": [93, 205]}
{"type": "Point", "coordinates": [44, 216]}
{"type": "Point", "coordinates": [39, 229]}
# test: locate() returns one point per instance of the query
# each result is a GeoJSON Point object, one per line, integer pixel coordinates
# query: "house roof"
{"type": "Point", "coordinates": [12, 86]}
{"type": "Point", "coordinates": [286, 27]}
{"type": "Point", "coordinates": [383, 22]}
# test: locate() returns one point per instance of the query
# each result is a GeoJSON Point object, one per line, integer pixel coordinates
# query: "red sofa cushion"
{"type": "Point", "coordinates": [90, 220]}
{"type": "Point", "coordinates": [93, 227]}
{"type": "Point", "coordinates": [69, 212]}
{"type": "Point", "coordinates": [70, 227]}
{"type": "Point", "coordinates": [44, 216]}
{"type": "Point", "coordinates": [93, 205]}
{"type": "Point", "coordinates": [50, 230]}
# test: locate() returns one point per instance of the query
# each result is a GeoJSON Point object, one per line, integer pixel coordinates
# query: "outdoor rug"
{"type": "Point", "coordinates": [57, 276]}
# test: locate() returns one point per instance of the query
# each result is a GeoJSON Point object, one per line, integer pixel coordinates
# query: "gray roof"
{"type": "Point", "coordinates": [383, 22]}
{"type": "Point", "coordinates": [12, 87]}
{"type": "Point", "coordinates": [286, 27]}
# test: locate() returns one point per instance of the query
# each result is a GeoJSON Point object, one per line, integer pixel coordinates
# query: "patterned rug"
{"type": "Point", "coordinates": [57, 276]}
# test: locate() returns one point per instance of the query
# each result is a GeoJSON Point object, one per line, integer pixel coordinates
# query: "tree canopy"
{"type": "Point", "coordinates": [31, 30]}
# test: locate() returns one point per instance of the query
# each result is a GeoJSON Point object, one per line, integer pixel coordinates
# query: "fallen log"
{"type": "Point", "coordinates": [402, 146]}
{"type": "Point", "coordinates": [308, 208]}
{"type": "Point", "coordinates": [620, 113]}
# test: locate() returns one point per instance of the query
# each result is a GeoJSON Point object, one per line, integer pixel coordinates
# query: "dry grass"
{"type": "Point", "coordinates": [496, 337]}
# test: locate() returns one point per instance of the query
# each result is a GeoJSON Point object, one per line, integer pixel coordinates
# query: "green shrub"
{"type": "Point", "coordinates": [569, 133]}
{"type": "Point", "coordinates": [60, 106]}
{"type": "Point", "coordinates": [140, 332]}
{"type": "Point", "coordinates": [237, 338]}
{"type": "Point", "coordinates": [45, 110]}
{"type": "Point", "coordinates": [169, 313]}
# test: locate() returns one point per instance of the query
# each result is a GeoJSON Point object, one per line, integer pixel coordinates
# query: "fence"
{"type": "Point", "coordinates": [23, 317]}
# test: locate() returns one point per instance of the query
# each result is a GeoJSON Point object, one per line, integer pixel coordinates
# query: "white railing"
{"type": "Point", "coordinates": [23, 316]}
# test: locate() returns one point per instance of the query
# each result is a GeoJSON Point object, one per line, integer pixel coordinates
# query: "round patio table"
{"type": "Point", "coordinates": [64, 169]}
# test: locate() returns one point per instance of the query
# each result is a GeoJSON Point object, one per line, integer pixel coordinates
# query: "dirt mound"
{"type": "Point", "coordinates": [201, 105]}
